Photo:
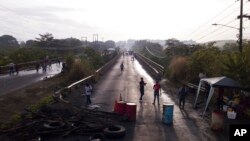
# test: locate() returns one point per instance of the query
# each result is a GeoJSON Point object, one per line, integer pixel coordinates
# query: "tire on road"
{"type": "Point", "coordinates": [115, 131]}
{"type": "Point", "coordinates": [97, 137]}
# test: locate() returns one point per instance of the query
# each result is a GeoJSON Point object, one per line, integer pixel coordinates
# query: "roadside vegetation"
{"type": "Point", "coordinates": [185, 62]}
{"type": "Point", "coordinates": [79, 64]}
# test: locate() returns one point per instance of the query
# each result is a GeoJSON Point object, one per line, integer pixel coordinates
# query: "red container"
{"type": "Point", "coordinates": [217, 121]}
{"type": "Point", "coordinates": [131, 111]}
{"type": "Point", "coordinates": [120, 107]}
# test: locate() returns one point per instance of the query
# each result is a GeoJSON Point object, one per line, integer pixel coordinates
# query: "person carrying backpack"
{"type": "Point", "coordinates": [182, 96]}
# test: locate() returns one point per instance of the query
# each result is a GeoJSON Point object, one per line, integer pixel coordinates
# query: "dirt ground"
{"type": "Point", "coordinates": [15, 102]}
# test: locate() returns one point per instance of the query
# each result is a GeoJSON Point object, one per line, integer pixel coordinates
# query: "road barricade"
{"type": "Point", "coordinates": [168, 110]}
{"type": "Point", "coordinates": [120, 107]}
{"type": "Point", "coordinates": [131, 111]}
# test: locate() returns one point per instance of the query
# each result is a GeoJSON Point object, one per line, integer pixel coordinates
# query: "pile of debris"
{"type": "Point", "coordinates": [62, 120]}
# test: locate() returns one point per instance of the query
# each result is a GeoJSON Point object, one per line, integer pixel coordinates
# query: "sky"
{"type": "Point", "coordinates": [123, 19]}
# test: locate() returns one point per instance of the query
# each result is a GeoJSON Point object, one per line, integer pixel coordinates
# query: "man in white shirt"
{"type": "Point", "coordinates": [88, 92]}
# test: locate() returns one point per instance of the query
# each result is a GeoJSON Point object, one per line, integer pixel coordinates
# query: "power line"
{"type": "Point", "coordinates": [211, 19]}
{"type": "Point", "coordinates": [218, 28]}
{"type": "Point", "coordinates": [222, 33]}
{"type": "Point", "coordinates": [220, 21]}
{"type": "Point", "coordinates": [154, 54]}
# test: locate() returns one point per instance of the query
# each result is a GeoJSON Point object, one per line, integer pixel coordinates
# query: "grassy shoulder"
{"type": "Point", "coordinates": [33, 96]}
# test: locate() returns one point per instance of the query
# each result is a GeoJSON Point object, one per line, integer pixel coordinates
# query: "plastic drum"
{"type": "Point", "coordinates": [131, 111]}
{"type": "Point", "coordinates": [120, 107]}
{"type": "Point", "coordinates": [168, 110]}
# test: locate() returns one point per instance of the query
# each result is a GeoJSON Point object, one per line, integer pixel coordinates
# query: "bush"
{"type": "Point", "coordinates": [178, 68]}
{"type": "Point", "coordinates": [79, 70]}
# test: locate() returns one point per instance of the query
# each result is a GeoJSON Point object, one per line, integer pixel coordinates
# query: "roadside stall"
{"type": "Point", "coordinates": [230, 103]}
{"type": "Point", "coordinates": [233, 103]}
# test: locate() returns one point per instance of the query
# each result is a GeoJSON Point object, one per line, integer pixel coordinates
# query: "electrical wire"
{"type": "Point", "coordinates": [218, 28]}
{"type": "Point", "coordinates": [195, 31]}
{"type": "Point", "coordinates": [157, 56]}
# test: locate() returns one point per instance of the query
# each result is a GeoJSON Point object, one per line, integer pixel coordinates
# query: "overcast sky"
{"type": "Point", "coordinates": [123, 19]}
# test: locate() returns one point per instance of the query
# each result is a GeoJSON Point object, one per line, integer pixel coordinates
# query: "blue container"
{"type": "Point", "coordinates": [168, 111]}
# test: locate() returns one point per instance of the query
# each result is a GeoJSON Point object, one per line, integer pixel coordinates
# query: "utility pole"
{"type": "Point", "coordinates": [241, 16]}
{"type": "Point", "coordinates": [241, 24]}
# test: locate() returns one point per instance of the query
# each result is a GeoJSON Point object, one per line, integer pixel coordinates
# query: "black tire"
{"type": "Point", "coordinates": [97, 137]}
{"type": "Point", "coordinates": [50, 124]}
{"type": "Point", "coordinates": [115, 131]}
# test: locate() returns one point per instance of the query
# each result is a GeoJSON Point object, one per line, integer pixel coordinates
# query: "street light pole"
{"type": "Point", "coordinates": [225, 26]}
{"type": "Point", "coordinates": [241, 24]}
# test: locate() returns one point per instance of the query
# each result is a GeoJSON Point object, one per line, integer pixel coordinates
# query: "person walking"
{"type": "Point", "coordinates": [11, 68]}
{"type": "Point", "coordinates": [37, 67]}
{"type": "Point", "coordinates": [157, 91]}
{"type": "Point", "coordinates": [88, 92]}
{"type": "Point", "coordinates": [17, 69]}
{"type": "Point", "coordinates": [142, 84]}
{"type": "Point", "coordinates": [182, 96]}
{"type": "Point", "coordinates": [122, 66]}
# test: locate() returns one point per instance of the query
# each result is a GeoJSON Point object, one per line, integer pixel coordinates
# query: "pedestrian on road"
{"type": "Point", "coordinates": [122, 66]}
{"type": "Point", "coordinates": [17, 69]}
{"type": "Point", "coordinates": [182, 96]}
{"type": "Point", "coordinates": [142, 84]}
{"type": "Point", "coordinates": [11, 68]}
{"type": "Point", "coordinates": [88, 92]}
{"type": "Point", "coordinates": [37, 67]}
{"type": "Point", "coordinates": [157, 91]}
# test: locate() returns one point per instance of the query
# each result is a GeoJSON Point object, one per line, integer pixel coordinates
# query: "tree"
{"type": "Point", "coordinates": [237, 65]}
{"type": "Point", "coordinates": [45, 39]}
{"type": "Point", "coordinates": [207, 61]}
{"type": "Point", "coordinates": [110, 44]}
{"type": "Point", "coordinates": [30, 43]}
{"type": "Point", "coordinates": [7, 41]}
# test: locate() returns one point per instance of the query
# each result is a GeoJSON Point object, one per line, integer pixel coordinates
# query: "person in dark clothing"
{"type": "Point", "coordinates": [122, 66]}
{"type": "Point", "coordinates": [142, 84]}
{"type": "Point", "coordinates": [37, 67]}
{"type": "Point", "coordinates": [220, 99]}
{"type": "Point", "coordinates": [182, 96]}
{"type": "Point", "coordinates": [17, 69]}
{"type": "Point", "coordinates": [157, 90]}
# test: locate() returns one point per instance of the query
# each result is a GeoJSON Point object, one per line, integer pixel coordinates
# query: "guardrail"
{"type": "Point", "coordinates": [154, 69]}
{"type": "Point", "coordinates": [66, 90]}
{"type": "Point", "coordinates": [159, 67]}
{"type": "Point", "coordinates": [193, 86]}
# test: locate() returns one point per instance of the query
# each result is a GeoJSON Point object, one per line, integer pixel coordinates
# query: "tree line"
{"type": "Point", "coordinates": [186, 62]}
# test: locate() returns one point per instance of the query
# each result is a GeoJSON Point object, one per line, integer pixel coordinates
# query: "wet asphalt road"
{"type": "Point", "coordinates": [24, 78]}
{"type": "Point", "coordinates": [188, 125]}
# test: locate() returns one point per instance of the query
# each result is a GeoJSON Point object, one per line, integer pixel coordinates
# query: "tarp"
{"type": "Point", "coordinates": [222, 82]}
{"type": "Point", "coordinates": [214, 82]}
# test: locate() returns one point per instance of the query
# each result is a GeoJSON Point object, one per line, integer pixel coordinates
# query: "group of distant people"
{"type": "Point", "coordinates": [45, 64]}
{"type": "Point", "coordinates": [13, 68]}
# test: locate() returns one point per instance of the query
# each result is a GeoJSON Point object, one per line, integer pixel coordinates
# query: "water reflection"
{"type": "Point", "coordinates": [142, 72]}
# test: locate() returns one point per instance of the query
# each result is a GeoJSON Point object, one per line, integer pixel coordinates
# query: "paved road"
{"type": "Point", "coordinates": [187, 125]}
{"type": "Point", "coordinates": [24, 78]}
